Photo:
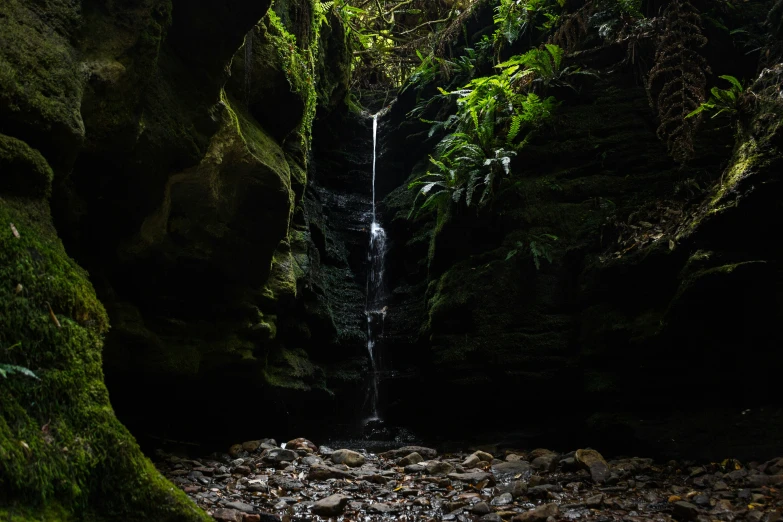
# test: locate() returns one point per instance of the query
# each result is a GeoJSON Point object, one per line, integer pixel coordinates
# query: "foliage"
{"type": "Point", "coordinates": [541, 68]}
{"type": "Point", "coordinates": [631, 8]}
{"type": "Point", "coordinates": [298, 65]}
{"type": "Point", "coordinates": [540, 247]}
{"type": "Point", "coordinates": [513, 18]}
{"type": "Point", "coordinates": [9, 369]}
{"type": "Point", "coordinates": [386, 35]}
{"type": "Point", "coordinates": [722, 100]}
{"type": "Point", "coordinates": [492, 113]}
{"type": "Point", "coordinates": [679, 77]}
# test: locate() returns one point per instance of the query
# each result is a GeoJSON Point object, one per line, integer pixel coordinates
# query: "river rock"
{"type": "Point", "coordinates": [227, 515]}
{"type": "Point", "coordinates": [471, 462]}
{"type": "Point", "coordinates": [539, 514]}
{"type": "Point", "coordinates": [473, 478]}
{"type": "Point", "coordinates": [348, 457]}
{"type": "Point", "coordinates": [517, 488]}
{"type": "Point", "coordinates": [301, 444]}
{"type": "Point", "coordinates": [330, 506]}
{"type": "Point", "coordinates": [321, 472]}
{"type": "Point", "coordinates": [483, 456]}
{"type": "Point", "coordinates": [503, 499]}
{"type": "Point", "coordinates": [415, 468]}
{"type": "Point", "coordinates": [492, 517]}
{"type": "Point", "coordinates": [685, 510]}
{"type": "Point", "coordinates": [312, 460]}
{"type": "Point", "coordinates": [427, 453]}
{"type": "Point", "coordinates": [438, 467]}
{"type": "Point", "coordinates": [235, 450]}
{"type": "Point", "coordinates": [382, 508]}
{"type": "Point", "coordinates": [251, 445]}
{"type": "Point", "coordinates": [286, 483]}
{"type": "Point", "coordinates": [594, 501]}
{"type": "Point", "coordinates": [594, 462]}
{"type": "Point", "coordinates": [504, 470]}
{"type": "Point", "coordinates": [413, 458]}
{"type": "Point", "coordinates": [240, 506]}
{"type": "Point", "coordinates": [545, 463]}
{"type": "Point", "coordinates": [277, 455]}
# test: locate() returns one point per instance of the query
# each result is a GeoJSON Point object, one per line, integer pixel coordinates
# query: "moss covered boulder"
{"type": "Point", "coordinates": [63, 453]}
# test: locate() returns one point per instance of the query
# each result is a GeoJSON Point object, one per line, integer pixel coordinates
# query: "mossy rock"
{"type": "Point", "coordinates": [63, 454]}
{"type": "Point", "coordinates": [23, 171]}
{"type": "Point", "coordinates": [258, 77]}
{"type": "Point", "coordinates": [40, 81]}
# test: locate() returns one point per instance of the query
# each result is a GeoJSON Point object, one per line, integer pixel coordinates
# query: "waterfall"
{"type": "Point", "coordinates": [376, 292]}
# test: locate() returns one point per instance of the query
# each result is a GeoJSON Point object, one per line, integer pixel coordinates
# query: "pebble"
{"type": "Point", "coordinates": [295, 484]}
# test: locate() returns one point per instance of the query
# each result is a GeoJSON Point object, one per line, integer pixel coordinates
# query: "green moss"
{"type": "Point", "coordinates": [40, 82]}
{"type": "Point", "coordinates": [62, 451]}
{"type": "Point", "coordinates": [282, 277]}
{"type": "Point", "coordinates": [23, 171]}
{"type": "Point", "coordinates": [52, 512]}
{"type": "Point", "coordinates": [299, 67]}
{"type": "Point", "coordinates": [262, 146]}
{"type": "Point", "coordinates": [292, 369]}
{"type": "Point", "coordinates": [745, 160]}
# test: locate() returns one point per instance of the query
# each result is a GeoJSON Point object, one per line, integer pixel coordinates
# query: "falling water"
{"type": "Point", "coordinates": [376, 293]}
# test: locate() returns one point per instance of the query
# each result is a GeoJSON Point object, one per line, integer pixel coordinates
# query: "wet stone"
{"type": "Point", "coordinates": [435, 467]}
{"type": "Point", "coordinates": [413, 458]}
{"type": "Point", "coordinates": [502, 500]}
{"type": "Point", "coordinates": [332, 505]}
{"type": "Point", "coordinates": [240, 506]}
{"type": "Point", "coordinates": [348, 457]}
{"type": "Point", "coordinates": [379, 491]}
{"type": "Point", "coordinates": [594, 462]}
{"type": "Point", "coordinates": [511, 469]}
{"type": "Point", "coordinates": [492, 517]}
{"type": "Point", "coordinates": [427, 453]}
{"type": "Point", "coordinates": [278, 455]}
{"type": "Point", "coordinates": [685, 510]}
{"type": "Point", "coordinates": [539, 514]}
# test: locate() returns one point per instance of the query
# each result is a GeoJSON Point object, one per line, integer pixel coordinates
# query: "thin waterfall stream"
{"type": "Point", "coordinates": [375, 308]}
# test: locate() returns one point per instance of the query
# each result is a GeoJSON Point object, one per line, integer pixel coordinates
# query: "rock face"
{"type": "Point", "coordinates": [207, 264]}
{"type": "Point", "coordinates": [630, 296]}
{"type": "Point", "coordinates": [171, 184]}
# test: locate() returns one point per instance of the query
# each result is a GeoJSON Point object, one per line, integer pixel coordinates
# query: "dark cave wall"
{"type": "Point", "coordinates": [656, 319]}
{"type": "Point", "coordinates": [179, 191]}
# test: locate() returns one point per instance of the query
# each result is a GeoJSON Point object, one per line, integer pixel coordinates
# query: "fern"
{"type": "Point", "coordinates": [9, 369]}
{"type": "Point", "coordinates": [722, 100]}
{"type": "Point", "coordinates": [541, 68]}
{"type": "Point", "coordinates": [679, 77]}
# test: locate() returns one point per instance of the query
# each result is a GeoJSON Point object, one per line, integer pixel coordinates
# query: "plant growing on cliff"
{"type": "Point", "coordinates": [679, 78]}
{"type": "Point", "coordinates": [513, 18]}
{"type": "Point", "coordinates": [722, 100]}
{"type": "Point", "coordinates": [540, 69]}
{"type": "Point", "coordinates": [540, 247]}
{"type": "Point", "coordinates": [8, 369]}
{"type": "Point", "coordinates": [491, 114]}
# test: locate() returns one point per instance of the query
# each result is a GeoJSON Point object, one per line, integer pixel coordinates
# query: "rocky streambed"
{"type": "Point", "coordinates": [298, 481]}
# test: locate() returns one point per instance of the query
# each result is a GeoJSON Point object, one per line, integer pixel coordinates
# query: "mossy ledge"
{"type": "Point", "coordinates": [63, 454]}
